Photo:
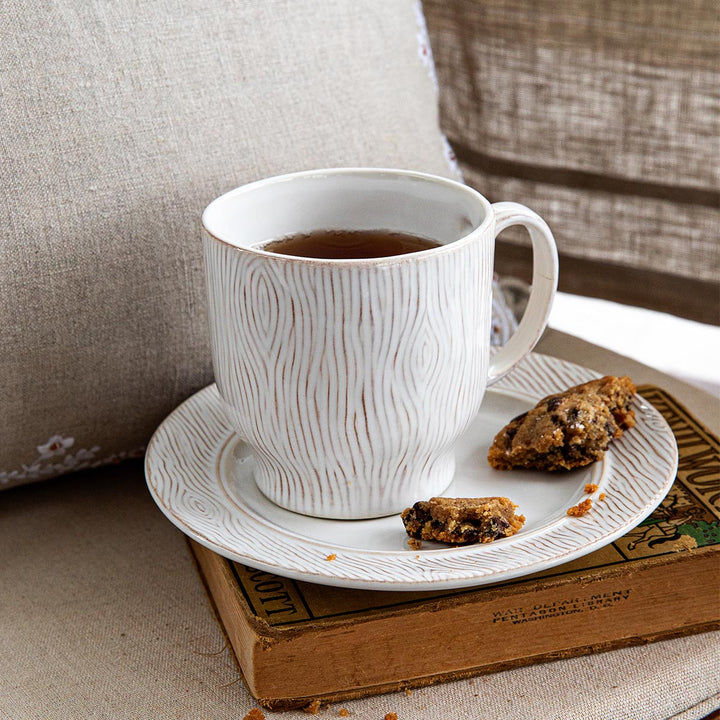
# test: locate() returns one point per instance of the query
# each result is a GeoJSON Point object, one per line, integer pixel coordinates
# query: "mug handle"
{"type": "Point", "coordinates": [544, 284]}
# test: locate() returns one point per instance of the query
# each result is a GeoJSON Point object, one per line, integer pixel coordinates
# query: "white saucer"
{"type": "Point", "coordinates": [200, 474]}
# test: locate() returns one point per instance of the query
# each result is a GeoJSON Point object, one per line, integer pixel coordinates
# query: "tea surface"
{"type": "Point", "coordinates": [349, 244]}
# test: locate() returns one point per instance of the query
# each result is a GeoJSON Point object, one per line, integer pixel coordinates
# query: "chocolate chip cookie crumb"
{"type": "Point", "coordinates": [255, 714]}
{"type": "Point", "coordinates": [462, 521]}
{"type": "Point", "coordinates": [590, 488]}
{"type": "Point", "coordinates": [313, 708]}
{"type": "Point", "coordinates": [331, 557]}
{"type": "Point", "coordinates": [391, 716]}
{"type": "Point", "coordinates": [567, 430]}
{"type": "Point", "coordinates": [414, 543]}
{"type": "Point", "coordinates": [581, 508]}
{"type": "Point", "coordinates": [602, 496]}
{"type": "Point", "coordinates": [344, 712]}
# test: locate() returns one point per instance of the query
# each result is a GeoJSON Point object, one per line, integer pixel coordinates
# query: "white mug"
{"type": "Point", "coordinates": [353, 379]}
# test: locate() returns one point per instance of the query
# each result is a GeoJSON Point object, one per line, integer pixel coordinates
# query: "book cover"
{"type": "Point", "coordinates": [295, 642]}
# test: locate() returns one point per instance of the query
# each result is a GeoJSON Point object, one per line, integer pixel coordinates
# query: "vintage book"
{"type": "Point", "coordinates": [295, 642]}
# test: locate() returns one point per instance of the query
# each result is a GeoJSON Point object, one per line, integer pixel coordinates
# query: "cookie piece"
{"type": "Point", "coordinates": [462, 521]}
{"type": "Point", "coordinates": [581, 508]}
{"type": "Point", "coordinates": [567, 430]}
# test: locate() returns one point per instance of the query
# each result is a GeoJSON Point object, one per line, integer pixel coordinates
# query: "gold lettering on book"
{"type": "Point", "coordinates": [699, 450]}
{"type": "Point", "coordinates": [689, 517]}
{"type": "Point", "coordinates": [701, 471]}
{"type": "Point", "coordinates": [273, 598]}
{"type": "Point", "coordinates": [560, 608]}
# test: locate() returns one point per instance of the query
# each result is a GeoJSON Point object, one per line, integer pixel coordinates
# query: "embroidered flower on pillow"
{"type": "Point", "coordinates": [56, 445]}
{"type": "Point", "coordinates": [57, 449]}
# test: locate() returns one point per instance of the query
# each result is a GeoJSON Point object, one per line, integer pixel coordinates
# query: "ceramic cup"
{"type": "Point", "coordinates": [353, 379]}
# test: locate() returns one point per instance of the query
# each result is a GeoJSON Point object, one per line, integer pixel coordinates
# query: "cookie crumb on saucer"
{"type": "Point", "coordinates": [581, 508]}
{"type": "Point", "coordinates": [331, 557]}
{"type": "Point", "coordinates": [414, 543]}
{"type": "Point", "coordinates": [590, 488]}
{"type": "Point", "coordinates": [602, 496]}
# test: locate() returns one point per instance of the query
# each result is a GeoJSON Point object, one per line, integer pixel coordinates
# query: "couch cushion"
{"type": "Point", "coordinates": [119, 122]}
{"type": "Point", "coordinates": [104, 617]}
{"type": "Point", "coordinates": [602, 117]}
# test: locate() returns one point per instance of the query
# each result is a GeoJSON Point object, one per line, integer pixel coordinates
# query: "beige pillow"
{"type": "Point", "coordinates": [119, 122]}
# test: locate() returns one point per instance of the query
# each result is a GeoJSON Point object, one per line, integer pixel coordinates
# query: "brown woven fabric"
{"type": "Point", "coordinates": [603, 117]}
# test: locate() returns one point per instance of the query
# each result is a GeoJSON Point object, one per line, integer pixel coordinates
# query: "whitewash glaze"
{"type": "Point", "coordinates": [343, 377]}
{"type": "Point", "coordinates": [352, 380]}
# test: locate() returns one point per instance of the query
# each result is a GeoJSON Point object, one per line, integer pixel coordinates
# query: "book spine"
{"type": "Point", "coordinates": [441, 640]}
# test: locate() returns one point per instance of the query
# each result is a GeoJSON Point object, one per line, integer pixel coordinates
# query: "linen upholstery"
{"type": "Point", "coordinates": [104, 616]}
{"type": "Point", "coordinates": [119, 122]}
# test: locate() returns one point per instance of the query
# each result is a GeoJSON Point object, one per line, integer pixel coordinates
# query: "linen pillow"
{"type": "Point", "coordinates": [603, 118]}
{"type": "Point", "coordinates": [119, 122]}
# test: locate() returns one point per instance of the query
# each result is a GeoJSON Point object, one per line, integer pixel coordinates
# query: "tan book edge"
{"type": "Point", "coordinates": [295, 642]}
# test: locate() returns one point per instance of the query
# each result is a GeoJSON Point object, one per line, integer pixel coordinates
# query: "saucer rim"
{"type": "Point", "coordinates": [424, 575]}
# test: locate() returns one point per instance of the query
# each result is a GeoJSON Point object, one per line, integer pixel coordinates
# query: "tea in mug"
{"type": "Point", "coordinates": [349, 244]}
